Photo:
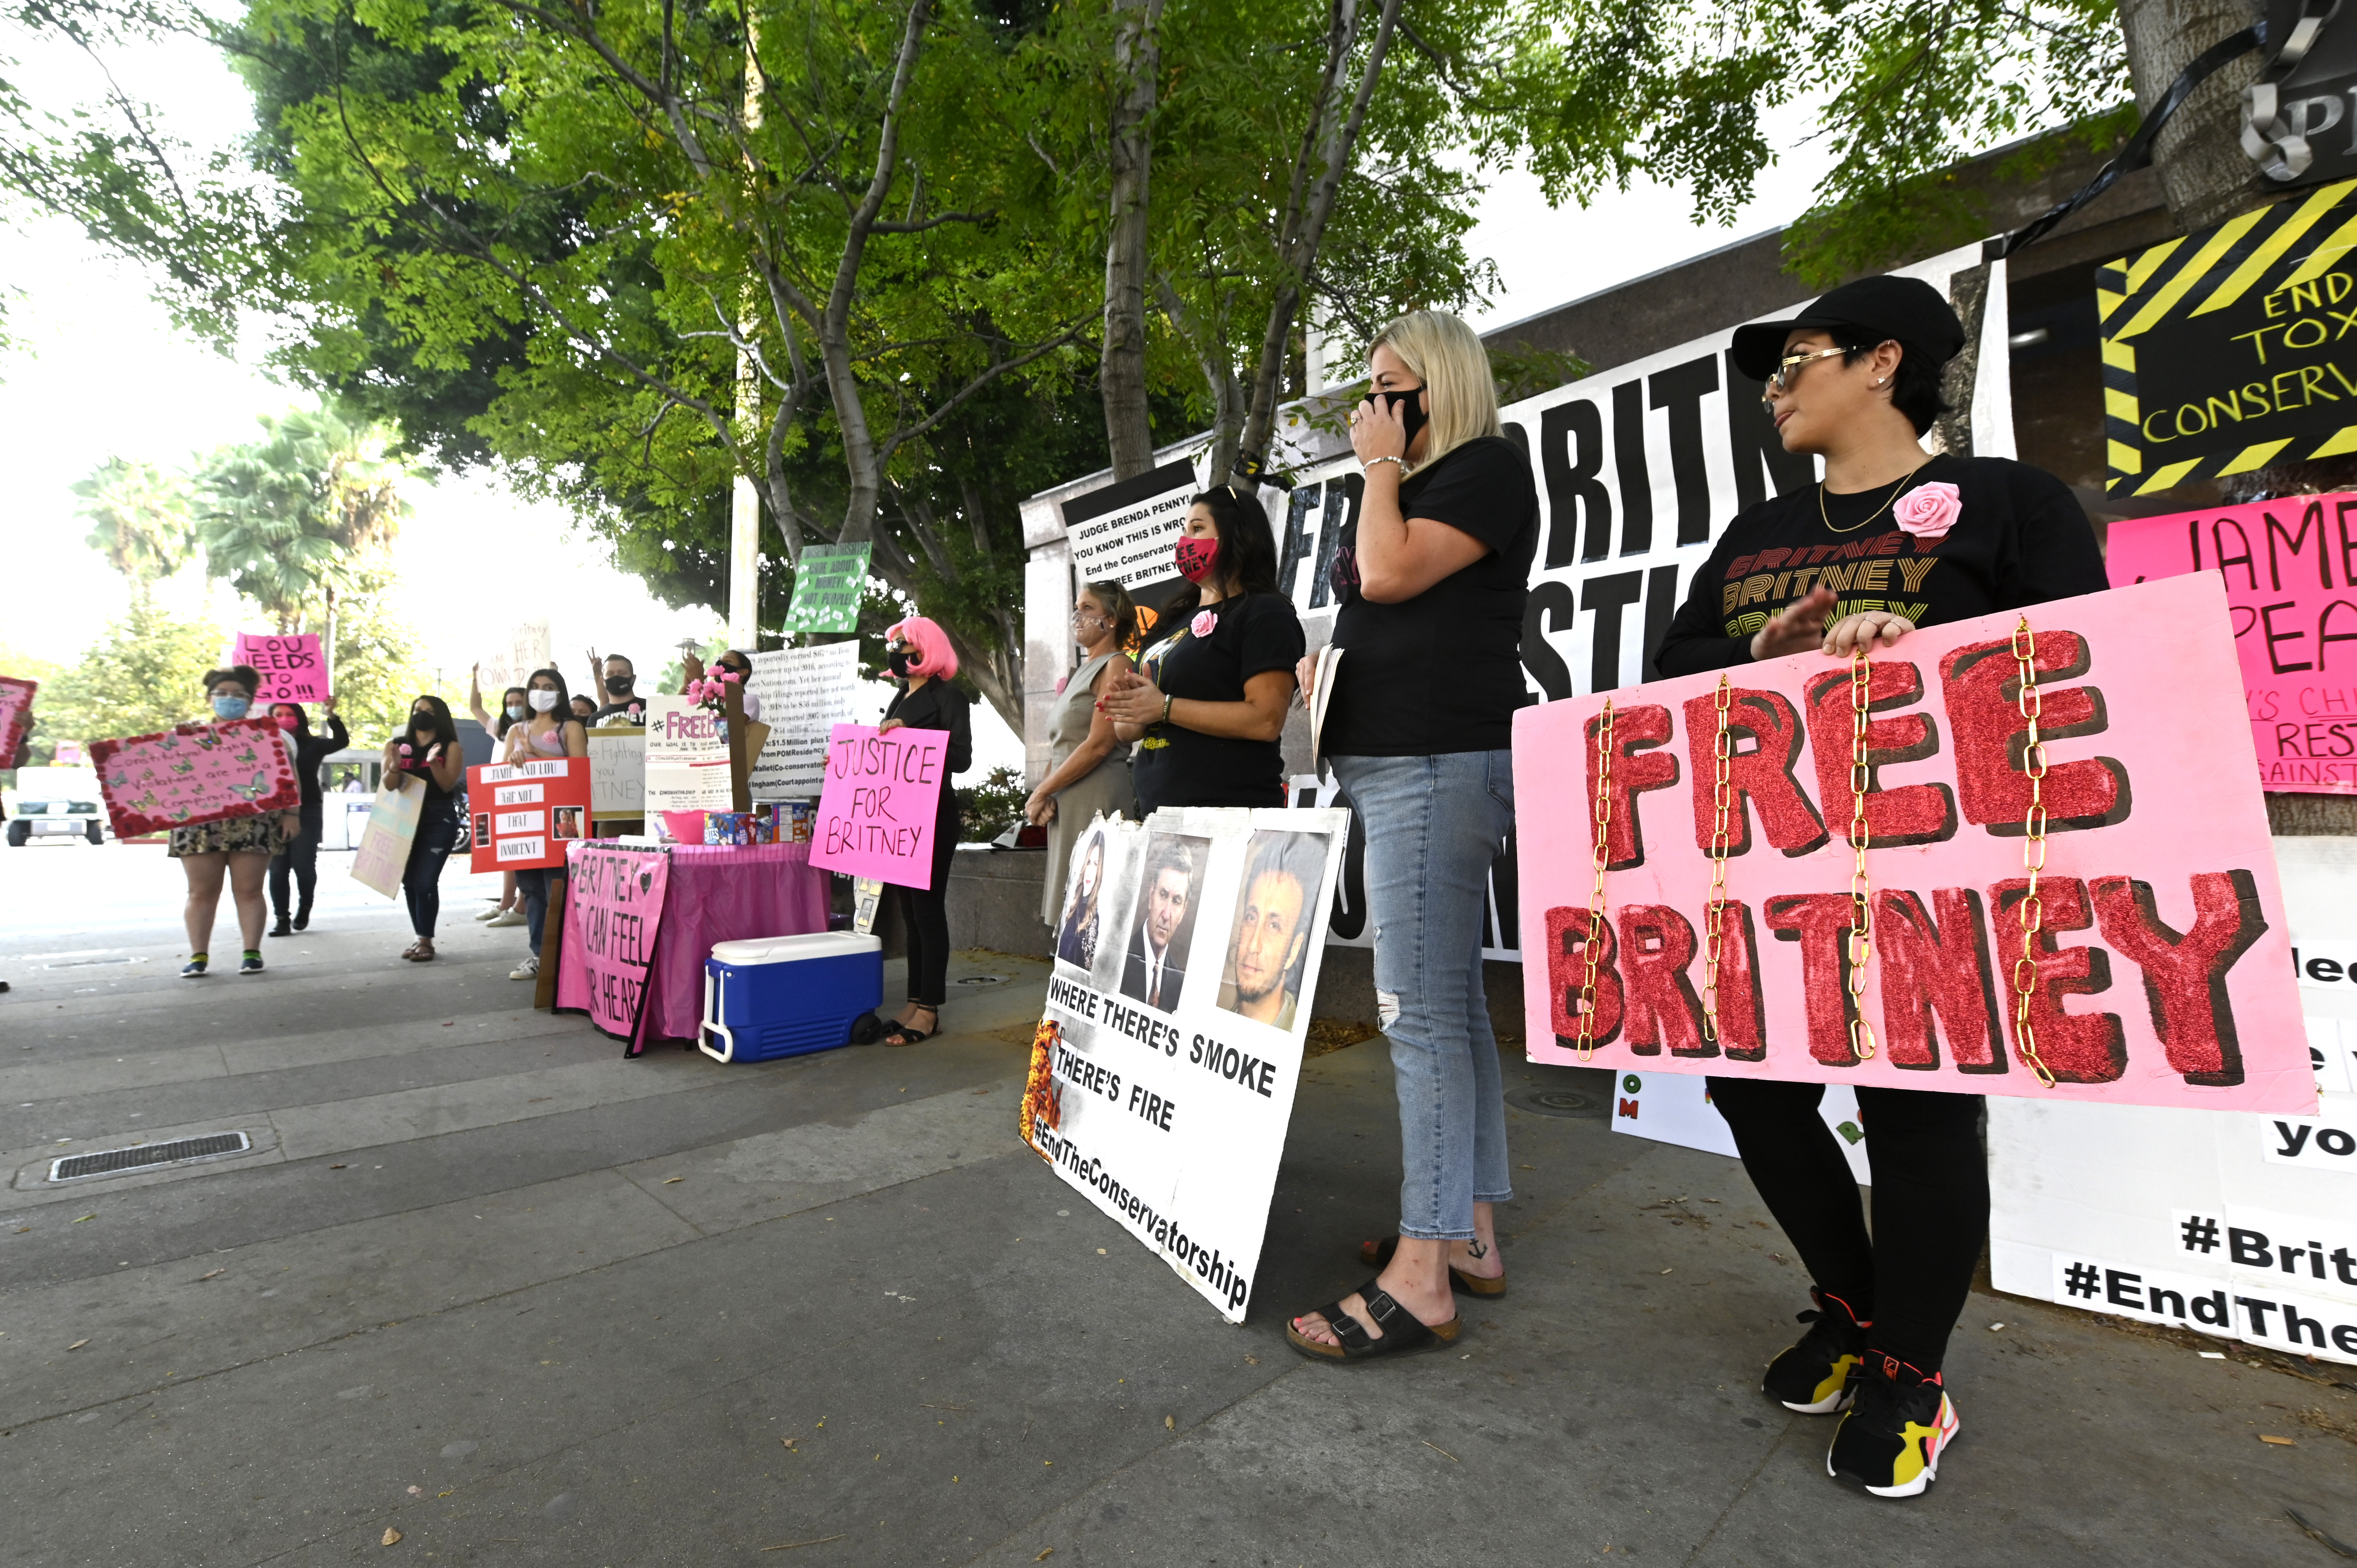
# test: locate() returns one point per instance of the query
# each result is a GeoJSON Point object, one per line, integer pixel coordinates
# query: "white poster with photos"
{"type": "Point", "coordinates": [1164, 1070]}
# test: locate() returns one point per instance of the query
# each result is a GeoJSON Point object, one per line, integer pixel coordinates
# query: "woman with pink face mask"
{"type": "Point", "coordinates": [1208, 698]}
{"type": "Point", "coordinates": [301, 856]}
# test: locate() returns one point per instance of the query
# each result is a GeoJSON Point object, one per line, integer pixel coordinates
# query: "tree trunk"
{"type": "Point", "coordinates": [1328, 145]}
{"type": "Point", "coordinates": [1136, 58]}
{"type": "Point", "coordinates": [2204, 174]}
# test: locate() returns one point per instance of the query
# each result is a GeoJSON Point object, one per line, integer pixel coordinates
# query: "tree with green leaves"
{"type": "Point", "coordinates": [139, 513]}
{"type": "Point", "coordinates": [286, 519]}
{"type": "Point", "coordinates": [144, 672]}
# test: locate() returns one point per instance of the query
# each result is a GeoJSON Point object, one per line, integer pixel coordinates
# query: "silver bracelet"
{"type": "Point", "coordinates": [1367, 467]}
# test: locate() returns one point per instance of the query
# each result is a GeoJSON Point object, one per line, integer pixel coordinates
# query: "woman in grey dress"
{"type": "Point", "coordinates": [1088, 770]}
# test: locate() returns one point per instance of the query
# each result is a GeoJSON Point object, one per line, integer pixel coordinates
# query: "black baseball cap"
{"type": "Point", "coordinates": [1906, 310]}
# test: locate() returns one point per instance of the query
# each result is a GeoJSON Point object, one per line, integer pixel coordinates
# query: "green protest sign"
{"type": "Point", "coordinates": [827, 585]}
{"type": "Point", "coordinates": [2229, 349]}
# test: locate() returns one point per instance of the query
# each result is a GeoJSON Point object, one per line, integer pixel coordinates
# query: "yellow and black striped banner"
{"type": "Point", "coordinates": [2234, 347]}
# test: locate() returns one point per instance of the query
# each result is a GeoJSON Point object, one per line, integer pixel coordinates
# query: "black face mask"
{"type": "Point", "coordinates": [898, 662]}
{"type": "Point", "coordinates": [620, 685]}
{"type": "Point", "coordinates": [1413, 417]}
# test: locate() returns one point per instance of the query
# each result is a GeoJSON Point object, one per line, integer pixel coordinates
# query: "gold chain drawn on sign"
{"type": "Point", "coordinates": [2033, 854]}
{"type": "Point", "coordinates": [1861, 928]}
{"type": "Point", "coordinates": [1602, 857]}
{"type": "Point", "coordinates": [1715, 910]}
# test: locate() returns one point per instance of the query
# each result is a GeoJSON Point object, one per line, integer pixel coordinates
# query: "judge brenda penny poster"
{"type": "Point", "coordinates": [2159, 969]}
{"type": "Point", "coordinates": [1163, 1072]}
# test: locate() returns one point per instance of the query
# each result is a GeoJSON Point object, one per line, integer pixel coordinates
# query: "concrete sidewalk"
{"type": "Point", "coordinates": [522, 1301]}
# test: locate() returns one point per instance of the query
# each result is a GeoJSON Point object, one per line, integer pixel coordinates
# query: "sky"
{"type": "Point", "coordinates": [98, 370]}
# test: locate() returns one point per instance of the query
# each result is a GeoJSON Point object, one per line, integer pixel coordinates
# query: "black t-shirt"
{"type": "Point", "coordinates": [1441, 672]}
{"type": "Point", "coordinates": [2020, 538]}
{"type": "Point", "coordinates": [1244, 637]}
{"type": "Point", "coordinates": [628, 711]}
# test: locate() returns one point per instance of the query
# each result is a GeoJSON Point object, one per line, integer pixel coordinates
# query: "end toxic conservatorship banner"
{"type": "Point", "coordinates": [1163, 1073]}
{"type": "Point", "coordinates": [2163, 969]}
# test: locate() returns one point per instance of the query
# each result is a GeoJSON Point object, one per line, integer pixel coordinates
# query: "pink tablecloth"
{"type": "Point", "coordinates": [717, 894]}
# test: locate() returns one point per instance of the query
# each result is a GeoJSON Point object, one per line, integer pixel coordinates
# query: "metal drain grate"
{"type": "Point", "coordinates": [109, 1162]}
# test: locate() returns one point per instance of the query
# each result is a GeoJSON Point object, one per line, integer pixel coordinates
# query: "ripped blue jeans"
{"type": "Point", "coordinates": [1433, 826]}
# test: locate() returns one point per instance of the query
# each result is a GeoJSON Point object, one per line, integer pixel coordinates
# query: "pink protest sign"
{"type": "Point", "coordinates": [879, 803]}
{"type": "Point", "coordinates": [2291, 570]}
{"type": "Point", "coordinates": [2161, 973]}
{"type": "Point", "coordinates": [613, 914]}
{"type": "Point", "coordinates": [16, 716]}
{"type": "Point", "coordinates": [194, 773]}
{"type": "Point", "coordinates": [293, 668]}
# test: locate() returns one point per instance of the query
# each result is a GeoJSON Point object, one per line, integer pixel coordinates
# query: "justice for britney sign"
{"type": "Point", "coordinates": [2162, 961]}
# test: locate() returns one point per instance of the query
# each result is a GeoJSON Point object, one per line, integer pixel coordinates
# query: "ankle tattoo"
{"type": "Point", "coordinates": [1476, 1250]}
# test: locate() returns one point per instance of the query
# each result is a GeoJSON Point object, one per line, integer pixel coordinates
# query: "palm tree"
{"type": "Point", "coordinates": [287, 516]}
{"type": "Point", "coordinates": [142, 516]}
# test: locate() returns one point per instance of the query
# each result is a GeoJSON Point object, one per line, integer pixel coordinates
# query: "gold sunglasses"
{"type": "Point", "coordinates": [1781, 379]}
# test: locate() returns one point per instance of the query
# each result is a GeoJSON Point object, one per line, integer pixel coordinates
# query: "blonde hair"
{"type": "Point", "coordinates": [1449, 360]}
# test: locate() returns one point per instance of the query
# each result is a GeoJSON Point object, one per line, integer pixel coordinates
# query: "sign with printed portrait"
{"type": "Point", "coordinates": [1164, 1069]}
{"type": "Point", "coordinates": [526, 812]}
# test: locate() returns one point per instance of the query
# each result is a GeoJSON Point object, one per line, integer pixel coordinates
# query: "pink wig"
{"type": "Point", "coordinates": [935, 658]}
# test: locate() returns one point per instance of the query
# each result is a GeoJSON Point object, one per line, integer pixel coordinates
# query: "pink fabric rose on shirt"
{"type": "Point", "coordinates": [1204, 624]}
{"type": "Point", "coordinates": [1927, 511]}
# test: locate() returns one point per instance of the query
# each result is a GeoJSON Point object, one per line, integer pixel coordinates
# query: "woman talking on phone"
{"type": "Point", "coordinates": [1419, 723]}
{"type": "Point", "coordinates": [1854, 379]}
{"type": "Point", "coordinates": [917, 652]}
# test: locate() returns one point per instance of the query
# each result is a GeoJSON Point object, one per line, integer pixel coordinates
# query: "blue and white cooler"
{"type": "Point", "coordinates": [784, 996]}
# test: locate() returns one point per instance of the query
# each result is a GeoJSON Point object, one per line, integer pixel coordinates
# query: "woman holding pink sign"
{"type": "Point", "coordinates": [1891, 540]}
{"type": "Point", "coordinates": [238, 848]}
{"type": "Point", "coordinates": [920, 654]}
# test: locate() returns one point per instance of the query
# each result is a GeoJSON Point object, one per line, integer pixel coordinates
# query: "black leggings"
{"type": "Point", "coordinates": [301, 856]}
{"type": "Point", "coordinates": [421, 882]}
{"type": "Point", "coordinates": [925, 913]}
{"type": "Point", "coordinates": [1931, 1201]}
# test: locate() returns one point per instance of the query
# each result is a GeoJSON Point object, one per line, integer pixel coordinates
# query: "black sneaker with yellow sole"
{"type": "Point", "coordinates": [1813, 1377]}
{"type": "Point", "coordinates": [1899, 1424]}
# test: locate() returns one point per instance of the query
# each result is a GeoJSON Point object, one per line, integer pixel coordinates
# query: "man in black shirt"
{"type": "Point", "coordinates": [618, 677]}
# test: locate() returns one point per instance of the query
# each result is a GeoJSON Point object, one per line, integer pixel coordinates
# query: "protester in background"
{"type": "Point", "coordinates": [584, 708]}
{"type": "Point", "coordinates": [1854, 379]}
{"type": "Point", "coordinates": [618, 679]}
{"type": "Point", "coordinates": [24, 752]}
{"type": "Point", "coordinates": [514, 711]}
{"type": "Point", "coordinates": [1088, 772]}
{"type": "Point", "coordinates": [426, 756]}
{"type": "Point", "coordinates": [920, 655]}
{"type": "Point", "coordinates": [301, 856]}
{"type": "Point", "coordinates": [1207, 703]}
{"type": "Point", "coordinates": [548, 734]}
{"type": "Point", "coordinates": [739, 664]}
{"type": "Point", "coordinates": [1419, 723]}
{"type": "Point", "coordinates": [240, 848]}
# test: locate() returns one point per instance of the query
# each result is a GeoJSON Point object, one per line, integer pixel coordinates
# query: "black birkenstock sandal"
{"type": "Point", "coordinates": [1378, 1254]}
{"type": "Point", "coordinates": [1405, 1334]}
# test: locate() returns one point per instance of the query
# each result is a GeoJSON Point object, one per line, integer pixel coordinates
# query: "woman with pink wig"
{"type": "Point", "coordinates": [920, 657]}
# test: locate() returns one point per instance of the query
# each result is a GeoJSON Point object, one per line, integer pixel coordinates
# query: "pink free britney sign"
{"type": "Point", "coordinates": [2160, 973]}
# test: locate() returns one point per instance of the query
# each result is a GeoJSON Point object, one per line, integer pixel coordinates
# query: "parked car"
{"type": "Point", "coordinates": [56, 803]}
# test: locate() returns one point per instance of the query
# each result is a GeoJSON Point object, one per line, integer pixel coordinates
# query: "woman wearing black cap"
{"type": "Point", "coordinates": [1891, 540]}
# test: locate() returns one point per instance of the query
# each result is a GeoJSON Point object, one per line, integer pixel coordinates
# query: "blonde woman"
{"type": "Point", "coordinates": [1088, 765]}
{"type": "Point", "coordinates": [1431, 582]}
{"type": "Point", "coordinates": [1077, 942]}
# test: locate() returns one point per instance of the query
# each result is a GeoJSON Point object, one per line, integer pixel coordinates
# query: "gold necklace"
{"type": "Point", "coordinates": [1869, 517]}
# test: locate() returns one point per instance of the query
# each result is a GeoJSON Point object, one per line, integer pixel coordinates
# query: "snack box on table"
{"type": "Point", "coordinates": [780, 996]}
